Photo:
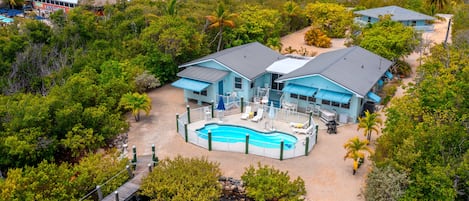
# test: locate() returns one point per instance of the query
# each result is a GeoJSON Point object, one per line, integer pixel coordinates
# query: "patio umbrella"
{"type": "Point", "coordinates": [220, 107]}
{"type": "Point", "coordinates": [272, 115]}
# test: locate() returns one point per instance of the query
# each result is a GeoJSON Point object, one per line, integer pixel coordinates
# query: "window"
{"type": "Point", "coordinates": [238, 83]}
{"type": "Point", "coordinates": [312, 99]}
{"type": "Point", "coordinates": [302, 97]}
{"type": "Point", "coordinates": [345, 105]}
{"type": "Point", "coordinates": [293, 95]}
{"type": "Point", "coordinates": [252, 85]}
{"type": "Point", "coordinates": [326, 102]}
{"type": "Point", "coordinates": [369, 19]}
{"type": "Point", "coordinates": [275, 85]}
{"type": "Point", "coordinates": [335, 104]}
{"type": "Point", "coordinates": [202, 93]}
{"type": "Point", "coordinates": [414, 23]}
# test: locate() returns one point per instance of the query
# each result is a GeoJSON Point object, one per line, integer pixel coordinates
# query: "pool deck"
{"type": "Point", "coordinates": [326, 174]}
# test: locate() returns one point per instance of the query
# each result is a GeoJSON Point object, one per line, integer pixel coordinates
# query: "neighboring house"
{"type": "Point", "coordinates": [341, 81]}
{"type": "Point", "coordinates": [407, 17]}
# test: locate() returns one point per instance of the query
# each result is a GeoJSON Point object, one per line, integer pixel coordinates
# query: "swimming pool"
{"type": "Point", "coordinates": [235, 134]}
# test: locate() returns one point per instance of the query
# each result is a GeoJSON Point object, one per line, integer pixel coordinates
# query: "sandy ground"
{"type": "Point", "coordinates": [327, 176]}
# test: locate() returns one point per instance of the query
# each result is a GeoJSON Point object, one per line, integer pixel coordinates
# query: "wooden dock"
{"type": "Point", "coordinates": [130, 188]}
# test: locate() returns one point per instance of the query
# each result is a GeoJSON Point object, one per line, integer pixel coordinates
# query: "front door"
{"type": "Point", "coordinates": [220, 87]}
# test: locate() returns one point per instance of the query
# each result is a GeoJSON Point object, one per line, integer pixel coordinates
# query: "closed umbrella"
{"type": "Point", "coordinates": [220, 107]}
{"type": "Point", "coordinates": [272, 115]}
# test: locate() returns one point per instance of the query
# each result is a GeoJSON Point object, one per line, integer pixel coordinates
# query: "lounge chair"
{"type": "Point", "coordinates": [303, 130]}
{"type": "Point", "coordinates": [258, 116]}
{"type": "Point", "coordinates": [299, 125]}
{"type": "Point", "coordinates": [246, 113]}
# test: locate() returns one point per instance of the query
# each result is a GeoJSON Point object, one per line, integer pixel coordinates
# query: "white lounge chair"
{"type": "Point", "coordinates": [246, 113]}
{"type": "Point", "coordinates": [303, 130]}
{"type": "Point", "coordinates": [299, 125]}
{"type": "Point", "coordinates": [258, 116]}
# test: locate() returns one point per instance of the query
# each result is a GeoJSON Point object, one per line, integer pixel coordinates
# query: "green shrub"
{"type": "Point", "coordinates": [316, 37]}
{"type": "Point", "coordinates": [183, 179]}
{"type": "Point", "coordinates": [267, 183]}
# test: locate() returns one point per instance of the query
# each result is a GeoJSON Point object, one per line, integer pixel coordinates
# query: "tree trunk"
{"type": "Point", "coordinates": [220, 39]}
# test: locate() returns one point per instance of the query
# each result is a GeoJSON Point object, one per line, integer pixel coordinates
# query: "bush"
{"type": "Point", "coordinates": [267, 183]}
{"type": "Point", "coordinates": [183, 179]}
{"type": "Point", "coordinates": [385, 184]}
{"type": "Point", "coordinates": [316, 37]}
{"type": "Point", "coordinates": [389, 90]}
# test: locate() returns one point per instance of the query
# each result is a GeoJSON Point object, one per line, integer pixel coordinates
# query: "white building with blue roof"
{"type": "Point", "coordinates": [341, 81]}
{"type": "Point", "coordinates": [407, 17]}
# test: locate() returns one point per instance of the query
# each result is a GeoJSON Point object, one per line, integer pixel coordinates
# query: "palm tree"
{"type": "Point", "coordinates": [369, 123]}
{"type": "Point", "coordinates": [136, 102]}
{"type": "Point", "coordinates": [356, 150]}
{"type": "Point", "coordinates": [220, 19]}
{"type": "Point", "coordinates": [440, 4]}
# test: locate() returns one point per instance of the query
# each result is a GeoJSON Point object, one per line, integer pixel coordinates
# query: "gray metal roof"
{"type": "Point", "coordinates": [354, 68]}
{"type": "Point", "coordinates": [397, 13]}
{"type": "Point", "coordinates": [249, 60]}
{"type": "Point", "coordinates": [203, 74]}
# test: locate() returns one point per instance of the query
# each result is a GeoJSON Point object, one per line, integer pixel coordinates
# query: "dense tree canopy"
{"type": "Point", "coordinates": [332, 19]}
{"type": "Point", "coordinates": [390, 39]}
{"type": "Point", "coordinates": [426, 132]}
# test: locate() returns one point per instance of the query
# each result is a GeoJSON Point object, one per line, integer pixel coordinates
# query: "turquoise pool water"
{"type": "Point", "coordinates": [234, 134]}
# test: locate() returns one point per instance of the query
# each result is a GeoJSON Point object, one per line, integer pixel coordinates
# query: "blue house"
{"type": "Point", "coordinates": [407, 17]}
{"type": "Point", "coordinates": [340, 81]}
{"type": "Point", "coordinates": [238, 71]}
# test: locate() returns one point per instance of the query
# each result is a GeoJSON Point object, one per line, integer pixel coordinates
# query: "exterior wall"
{"type": "Point", "coordinates": [421, 25]}
{"type": "Point", "coordinates": [321, 83]}
{"type": "Point", "coordinates": [228, 86]}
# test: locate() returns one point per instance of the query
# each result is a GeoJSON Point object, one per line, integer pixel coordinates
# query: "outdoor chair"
{"type": "Point", "coordinates": [303, 130]}
{"type": "Point", "coordinates": [246, 113]}
{"type": "Point", "coordinates": [258, 116]}
{"type": "Point", "coordinates": [299, 125]}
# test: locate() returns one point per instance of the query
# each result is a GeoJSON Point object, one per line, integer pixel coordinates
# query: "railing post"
{"type": "Point", "coordinates": [100, 193]}
{"type": "Point", "coordinates": [154, 158]}
{"type": "Point", "coordinates": [281, 149]}
{"type": "Point", "coordinates": [129, 171]}
{"type": "Point", "coordinates": [177, 122]}
{"type": "Point", "coordinates": [213, 107]}
{"type": "Point", "coordinates": [307, 146]}
{"type": "Point", "coordinates": [310, 117]}
{"type": "Point", "coordinates": [149, 167]}
{"type": "Point", "coordinates": [185, 133]}
{"type": "Point", "coordinates": [116, 194]}
{"type": "Point", "coordinates": [316, 134]}
{"type": "Point", "coordinates": [209, 140]}
{"type": "Point", "coordinates": [247, 144]}
{"type": "Point", "coordinates": [242, 105]}
{"type": "Point", "coordinates": [188, 114]}
{"type": "Point", "coordinates": [134, 158]}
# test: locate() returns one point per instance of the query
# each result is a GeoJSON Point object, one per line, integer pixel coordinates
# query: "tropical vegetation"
{"type": "Point", "coordinates": [62, 87]}
{"type": "Point", "coordinates": [369, 123]}
{"type": "Point", "coordinates": [267, 183]}
{"type": "Point", "coordinates": [356, 149]}
{"type": "Point", "coordinates": [183, 179]}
